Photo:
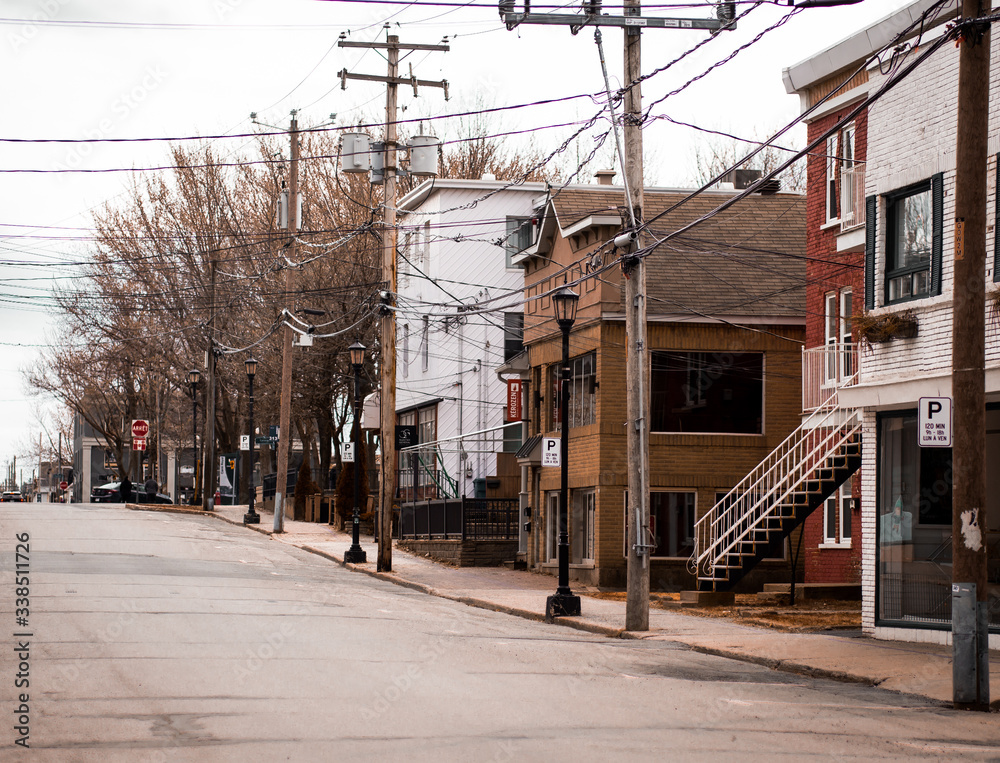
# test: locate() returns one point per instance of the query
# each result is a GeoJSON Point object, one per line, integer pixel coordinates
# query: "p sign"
{"type": "Point", "coordinates": [934, 422]}
{"type": "Point", "coordinates": [347, 453]}
{"type": "Point", "coordinates": [551, 451]}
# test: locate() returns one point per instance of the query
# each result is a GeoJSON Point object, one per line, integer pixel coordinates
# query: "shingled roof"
{"type": "Point", "coordinates": [749, 260]}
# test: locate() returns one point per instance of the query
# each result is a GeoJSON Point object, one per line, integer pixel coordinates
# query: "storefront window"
{"type": "Point", "coordinates": [914, 524]}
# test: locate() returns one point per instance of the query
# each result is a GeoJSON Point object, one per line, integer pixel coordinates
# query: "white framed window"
{"type": "Point", "coordinates": [425, 344]}
{"type": "Point", "coordinates": [846, 333]}
{"type": "Point", "coordinates": [582, 541]}
{"type": "Point", "coordinates": [830, 337]}
{"type": "Point", "coordinates": [837, 518]}
{"type": "Point", "coordinates": [404, 349]}
{"type": "Point", "coordinates": [832, 212]}
{"type": "Point", "coordinates": [519, 237]}
{"type": "Point", "coordinates": [552, 526]}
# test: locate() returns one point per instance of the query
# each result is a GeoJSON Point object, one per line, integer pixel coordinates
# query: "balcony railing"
{"type": "Point", "coordinates": [852, 197]}
{"type": "Point", "coordinates": [826, 369]}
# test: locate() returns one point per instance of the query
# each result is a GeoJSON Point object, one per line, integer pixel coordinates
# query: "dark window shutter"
{"type": "Point", "coordinates": [996, 221]}
{"type": "Point", "coordinates": [937, 236]}
{"type": "Point", "coordinates": [871, 216]}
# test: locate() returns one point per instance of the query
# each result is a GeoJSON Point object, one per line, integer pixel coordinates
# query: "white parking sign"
{"type": "Point", "coordinates": [347, 454]}
{"type": "Point", "coordinates": [934, 422]}
{"type": "Point", "coordinates": [551, 451]}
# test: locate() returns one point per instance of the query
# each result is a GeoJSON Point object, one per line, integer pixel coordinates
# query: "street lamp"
{"type": "Point", "coordinates": [355, 554]}
{"type": "Point", "coordinates": [563, 602]}
{"type": "Point", "coordinates": [251, 517]}
{"type": "Point", "coordinates": [194, 375]}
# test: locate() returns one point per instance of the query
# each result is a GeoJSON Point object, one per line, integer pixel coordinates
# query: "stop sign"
{"type": "Point", "coordinates": [140, 427]}
{"type": "Point", "coordinates": [63, 485]}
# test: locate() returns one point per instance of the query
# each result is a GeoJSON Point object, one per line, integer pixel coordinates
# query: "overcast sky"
{"type": "Point", "coordinates": [113, 69]}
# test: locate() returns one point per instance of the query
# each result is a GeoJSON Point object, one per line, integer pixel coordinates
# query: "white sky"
{"type": "Point", "coordinates": [200, 68]}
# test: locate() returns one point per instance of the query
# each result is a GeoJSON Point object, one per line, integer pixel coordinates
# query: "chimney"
{"type": "Point", "coordinates": [605, 177]}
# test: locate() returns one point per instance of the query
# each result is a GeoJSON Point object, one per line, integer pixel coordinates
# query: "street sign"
{"type": "Point", "coordinates": [513, 400]}
{"type": "Point", "coordinates": [348, 453]}
{"type": "Point", "coordinates": [138, 443]}
{"type": "Point", "coordinates": [140, 428]}
{"type": "Point", "coordinates": [244, 442]}
{"type": "Point", "coordinates": [934, 422]}
{"type": "Point", "coordinates": [551, 451]}
{"type": "Point", "coordinates": [63, 485]}
{"type": "Point", "coordinates": [265, 440]}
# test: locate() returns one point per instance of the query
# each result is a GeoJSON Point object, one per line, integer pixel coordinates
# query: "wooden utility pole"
{"type": "Point", "coordinates": [970, 626]}
{"type": "Point", "coordinates": [285, 415]}
{"type": "Point", "coordinates": [636, 356]}
{"type": "Point", "coordinates": [208, 433]}
{"type": "Point", "coordinates": [387, 364]}
{"type": "Point", "coordinates": [633, 268]}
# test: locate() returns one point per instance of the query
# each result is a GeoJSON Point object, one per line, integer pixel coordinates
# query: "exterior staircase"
{"type": "Point", "coordinates": [753, 520]}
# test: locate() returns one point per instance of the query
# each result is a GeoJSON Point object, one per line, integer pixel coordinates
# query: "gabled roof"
{"type": "Point", "coordinates": [749, 260]}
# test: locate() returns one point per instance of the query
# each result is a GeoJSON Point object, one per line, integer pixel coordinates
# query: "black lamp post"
{"type": "Point", "coordinates": [355, 554]}
{"type": "Point", "coordinates": [194, 375]}
{"type": "Point", "coordinates": [563, 602]}
{"type": "Point", "coordinates": [251, 517]}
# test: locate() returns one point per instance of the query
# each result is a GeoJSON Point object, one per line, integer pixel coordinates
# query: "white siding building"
{"type": "Point", "coordinates": [906, 490]}
{"type": "Point", "coordinates": [459, 318]}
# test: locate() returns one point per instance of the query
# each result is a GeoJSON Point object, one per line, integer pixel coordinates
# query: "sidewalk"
{"type": "Point", "coordinates": [920, 669]}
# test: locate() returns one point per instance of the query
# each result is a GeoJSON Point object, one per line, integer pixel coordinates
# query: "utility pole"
{"type": "Point", "coordinates": [633, 266]}
{"type": "Point", "coordinates": [285, 415]}
{"type": "Point", "coordinates": [970, 626]}
{"type": "Point", "coordinates": [636, 356]}
{"type": "Point", "coordinates": [208, 436]}
{"type": "Point", "coordinates": [387, 365]}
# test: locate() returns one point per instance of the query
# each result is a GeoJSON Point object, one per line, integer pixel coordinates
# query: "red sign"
{"type": "Point", "coordinates": [140, 428]}
{"type": "Point", "coordinates": [63, 485]}
{"type": "Point", "coordinates": [513, 400]}
{"type": "Point", "coordinates": [138, 443]}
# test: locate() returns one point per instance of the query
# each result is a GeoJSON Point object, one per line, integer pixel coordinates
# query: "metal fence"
{"type": "Point", "coordinates": [462, 518]}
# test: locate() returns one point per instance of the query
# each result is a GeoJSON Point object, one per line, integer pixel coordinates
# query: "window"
{"type": "Point", "coordinates": [552, 526]}
{"type": "Point", "coordinates": [707, 392]}
{"type": "Point", "coordinates": [425, 344]}
{"type": "Point", "coordinates": [518, 238]}
{"type": "Point", "coordinates": [404, 347]}
{"type": "Point", "coordinates": [582, 391]}
{"type": "Point", "coordinates": [846, 333]}
{"type": "Point", "coordinates": [513, 335]}
{"type": "Point", "coordinates": [831, 335]}
{"type": "Point", "coordinates": [419, 469]}
{"type": "Point", "coordinates": [831, 178]}
{"type": "Point", "coordinates": [582, 543]}
{"type": "Point", "coordinates": [913, 241]}
{"type": "Point", "coordinates": [837, 517]}
{"type": "Point", "coordinates": [671, 524]}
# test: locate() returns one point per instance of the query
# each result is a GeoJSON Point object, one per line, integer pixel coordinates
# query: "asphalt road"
{"type": "Point", "coordinates": [164, 637]}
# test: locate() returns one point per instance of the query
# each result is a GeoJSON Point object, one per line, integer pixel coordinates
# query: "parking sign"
{"type": "Point", "coordinates": [551, 451]}
{"type": "Point", "coordinates": [934, 422]}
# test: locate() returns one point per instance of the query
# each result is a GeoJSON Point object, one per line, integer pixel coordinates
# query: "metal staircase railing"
{"type": "Point", "coordinates": [759, 506]}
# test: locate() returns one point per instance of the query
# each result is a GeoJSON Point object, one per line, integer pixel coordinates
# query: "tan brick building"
{"type": "Point", "coordinates": [726, 322]}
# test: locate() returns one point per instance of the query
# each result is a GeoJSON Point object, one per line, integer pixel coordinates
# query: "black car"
{"type": "Point", "coordinates": [110, 493]}
{"type": "Point", "coordinates": [12, 495]}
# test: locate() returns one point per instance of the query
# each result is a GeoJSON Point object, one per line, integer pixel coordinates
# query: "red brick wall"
{"type": "Point", "coordinates": [826, 271]}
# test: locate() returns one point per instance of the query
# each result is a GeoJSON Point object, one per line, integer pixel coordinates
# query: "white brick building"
{"type": "Point", "coordinates": [909, 187]}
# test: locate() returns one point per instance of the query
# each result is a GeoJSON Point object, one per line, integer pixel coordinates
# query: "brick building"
{"type": "Point", "coordinates": [906, 327]}
{"type": "Point", "coordinates": [725, 327]}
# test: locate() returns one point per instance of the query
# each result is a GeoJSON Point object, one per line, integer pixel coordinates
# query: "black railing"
{"type": "Point", "coordinates": [460, 518]}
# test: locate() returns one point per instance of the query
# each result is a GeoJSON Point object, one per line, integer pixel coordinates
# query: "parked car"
{"type": "Point", "coordinates": [11, 495]}
{"type": "Point", "coordinates": [109, 493]}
